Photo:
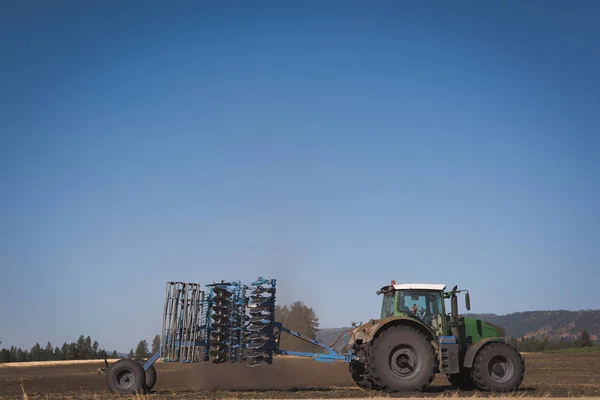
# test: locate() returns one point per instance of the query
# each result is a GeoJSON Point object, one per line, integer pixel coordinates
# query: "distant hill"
{"type": "Point", "coordinates": [554, 324]}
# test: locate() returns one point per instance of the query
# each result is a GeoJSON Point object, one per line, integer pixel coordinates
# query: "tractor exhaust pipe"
{"type": "Point", "coordinates": [454, 305]}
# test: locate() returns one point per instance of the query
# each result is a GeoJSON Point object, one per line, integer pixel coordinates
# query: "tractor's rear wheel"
{"type": "Point", "coordinates": [498, 367]}
{"type": "Point", "coordinates": [359, 374]}
{"type": "Point", "coordinates": [359, 369]}
{"type": "Point", "coordinates": [401, 359]}
{"type": "Point", "coordinates": [126, 377]}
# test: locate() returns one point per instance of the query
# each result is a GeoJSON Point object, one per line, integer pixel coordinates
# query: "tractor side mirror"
{"type": "Point", "coordinates": [467, 301]}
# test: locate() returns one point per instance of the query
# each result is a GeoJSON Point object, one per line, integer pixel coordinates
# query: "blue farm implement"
{"type": "Point", "coordinates": [222, 322]}
{"type": "Point", "coordinates": [402, 350]}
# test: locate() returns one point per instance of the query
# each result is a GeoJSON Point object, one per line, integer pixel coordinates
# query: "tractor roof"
{"type": "Point", "coordinates": [420, 286]}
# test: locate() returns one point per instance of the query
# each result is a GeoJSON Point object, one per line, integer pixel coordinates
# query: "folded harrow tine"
{"type": "Point", "coordinates": [226, 322]}
{"type": "Point", "coordinates": [258, 333]}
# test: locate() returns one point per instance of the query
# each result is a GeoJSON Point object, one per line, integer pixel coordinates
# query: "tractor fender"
{"type": "Point", "coordinates": [474, 349]}
{"type": "Point", "coordinates": [373, 328]}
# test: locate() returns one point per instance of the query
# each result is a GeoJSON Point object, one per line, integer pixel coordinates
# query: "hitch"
{"type": "Point", "coordinates": [105, 369]}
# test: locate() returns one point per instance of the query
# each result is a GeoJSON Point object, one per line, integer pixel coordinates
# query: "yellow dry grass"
{"type": "Point", "coordinates": [53, 363]}
{"type": "Point", "coordinates": [75, 362]}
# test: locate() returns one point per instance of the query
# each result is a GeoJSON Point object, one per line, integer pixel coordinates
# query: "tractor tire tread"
{"type": "Point", "coordinates": [140, 377]}
{"type": "Point", "coordinates": [360, 370]}
{"type": "Point", "coordinates": [150, 379]}
{"type": "Point", "coordinates": [374, 351]}
{"type": "Point", "coordinates": [480, 371]}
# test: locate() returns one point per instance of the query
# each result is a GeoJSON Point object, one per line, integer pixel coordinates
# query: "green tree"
{"type": "Point", "coordinates": [80, 348]}
{"type": "Point", "coordinates": [302, 319]}
{"type": "Point", "coordinates": [49, 352]}
{"type": "Point", "coordinates": [155, 344]}
{"type": "Point", "coordinates": [95, 346]}
{"type": "Point", "coordinates": [114, 355]}
{"type": "Point", "coordinates": [585, 339]}
{"type": "Point", "coordinates": [545, 344]}
{"type": "Point", "coordinates": [22, 356]}
{"type": "Point", "coordinates": [141, 351]}
{"type": "Point", "coordinates": [58, 354]}
{"type": "Point", "coordinates": [102, 354]}
{"type": "Point", "coordinates": [65, 351]}
{"type": "Point", "coordinates": [87, 349]}
{"type": "Point", "coordinates": [36, 352]}
{"type": "Point", "coordinates": [72, 351]}
{"type": "Point", "coordinates": [4, 356]}
{"type": "Point", "coordinates": [131, 354]}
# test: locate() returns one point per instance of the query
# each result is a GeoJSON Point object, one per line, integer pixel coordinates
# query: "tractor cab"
{"type": "Point", "coordinates": [424, 302]}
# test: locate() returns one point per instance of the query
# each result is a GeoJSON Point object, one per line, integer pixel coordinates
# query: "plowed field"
{"type": "Point", "coordinates": [555, 375]}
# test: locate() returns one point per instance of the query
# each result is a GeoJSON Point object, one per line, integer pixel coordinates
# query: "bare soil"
{"type": "Point", "coordinates": [547, 375]}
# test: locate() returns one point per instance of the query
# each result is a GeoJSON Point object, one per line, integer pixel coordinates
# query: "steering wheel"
{"type": "Point", "coordinates": [424, 315]}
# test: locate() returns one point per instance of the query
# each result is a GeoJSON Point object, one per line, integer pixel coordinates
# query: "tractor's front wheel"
{"type": "Point", "coordinates": [126, 377]}
{"type": "Point", "coordinates": [401, 359]}
{"type": "Point", "coordinates": [498, 368]}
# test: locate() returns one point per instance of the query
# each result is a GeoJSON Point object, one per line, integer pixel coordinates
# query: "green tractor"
{"type": "Point", "coordinates": [414, 339]}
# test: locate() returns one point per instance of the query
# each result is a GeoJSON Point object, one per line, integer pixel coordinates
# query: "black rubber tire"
{"type": "Point", "coordinates": [385, 353]}
{"type": "Point", "coordinates": [358, 373]}
{"type": "Point", "coordinates": [126, 377]}
{"type": "Point", "coordinates": [150, 378]}
{"type": "Point", "coordinates": [359, 369]}
{"type": "Point", "coordinates": [462, 380]}
{"type": "Point", "coordinates": [493, 355]}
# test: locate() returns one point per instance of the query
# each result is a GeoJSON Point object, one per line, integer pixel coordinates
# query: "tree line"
{"type": "Point", "coordinates": [82, 349]}
{"type": "Point", "coordinates": [539, 344]}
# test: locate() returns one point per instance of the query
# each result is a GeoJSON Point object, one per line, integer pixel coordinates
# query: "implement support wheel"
{"type": "Point", "coordinates": [150, 378]}
{"type": "Point", "coordinates": [126, 377]}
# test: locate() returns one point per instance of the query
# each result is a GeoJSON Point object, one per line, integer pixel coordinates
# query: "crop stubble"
{"type": "Point", "coordinates": [556, 375]}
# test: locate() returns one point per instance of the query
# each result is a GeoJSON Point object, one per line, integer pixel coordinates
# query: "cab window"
{"type": "Point", "coordinates": [425, 305]}
{"type": "Point", "coordinates": [387, 309]}
{"type": "Point", "coordinates": [412, 301]}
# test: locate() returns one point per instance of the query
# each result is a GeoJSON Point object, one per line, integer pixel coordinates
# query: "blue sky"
{"type": "Point", "coordinates": [332, 146]}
